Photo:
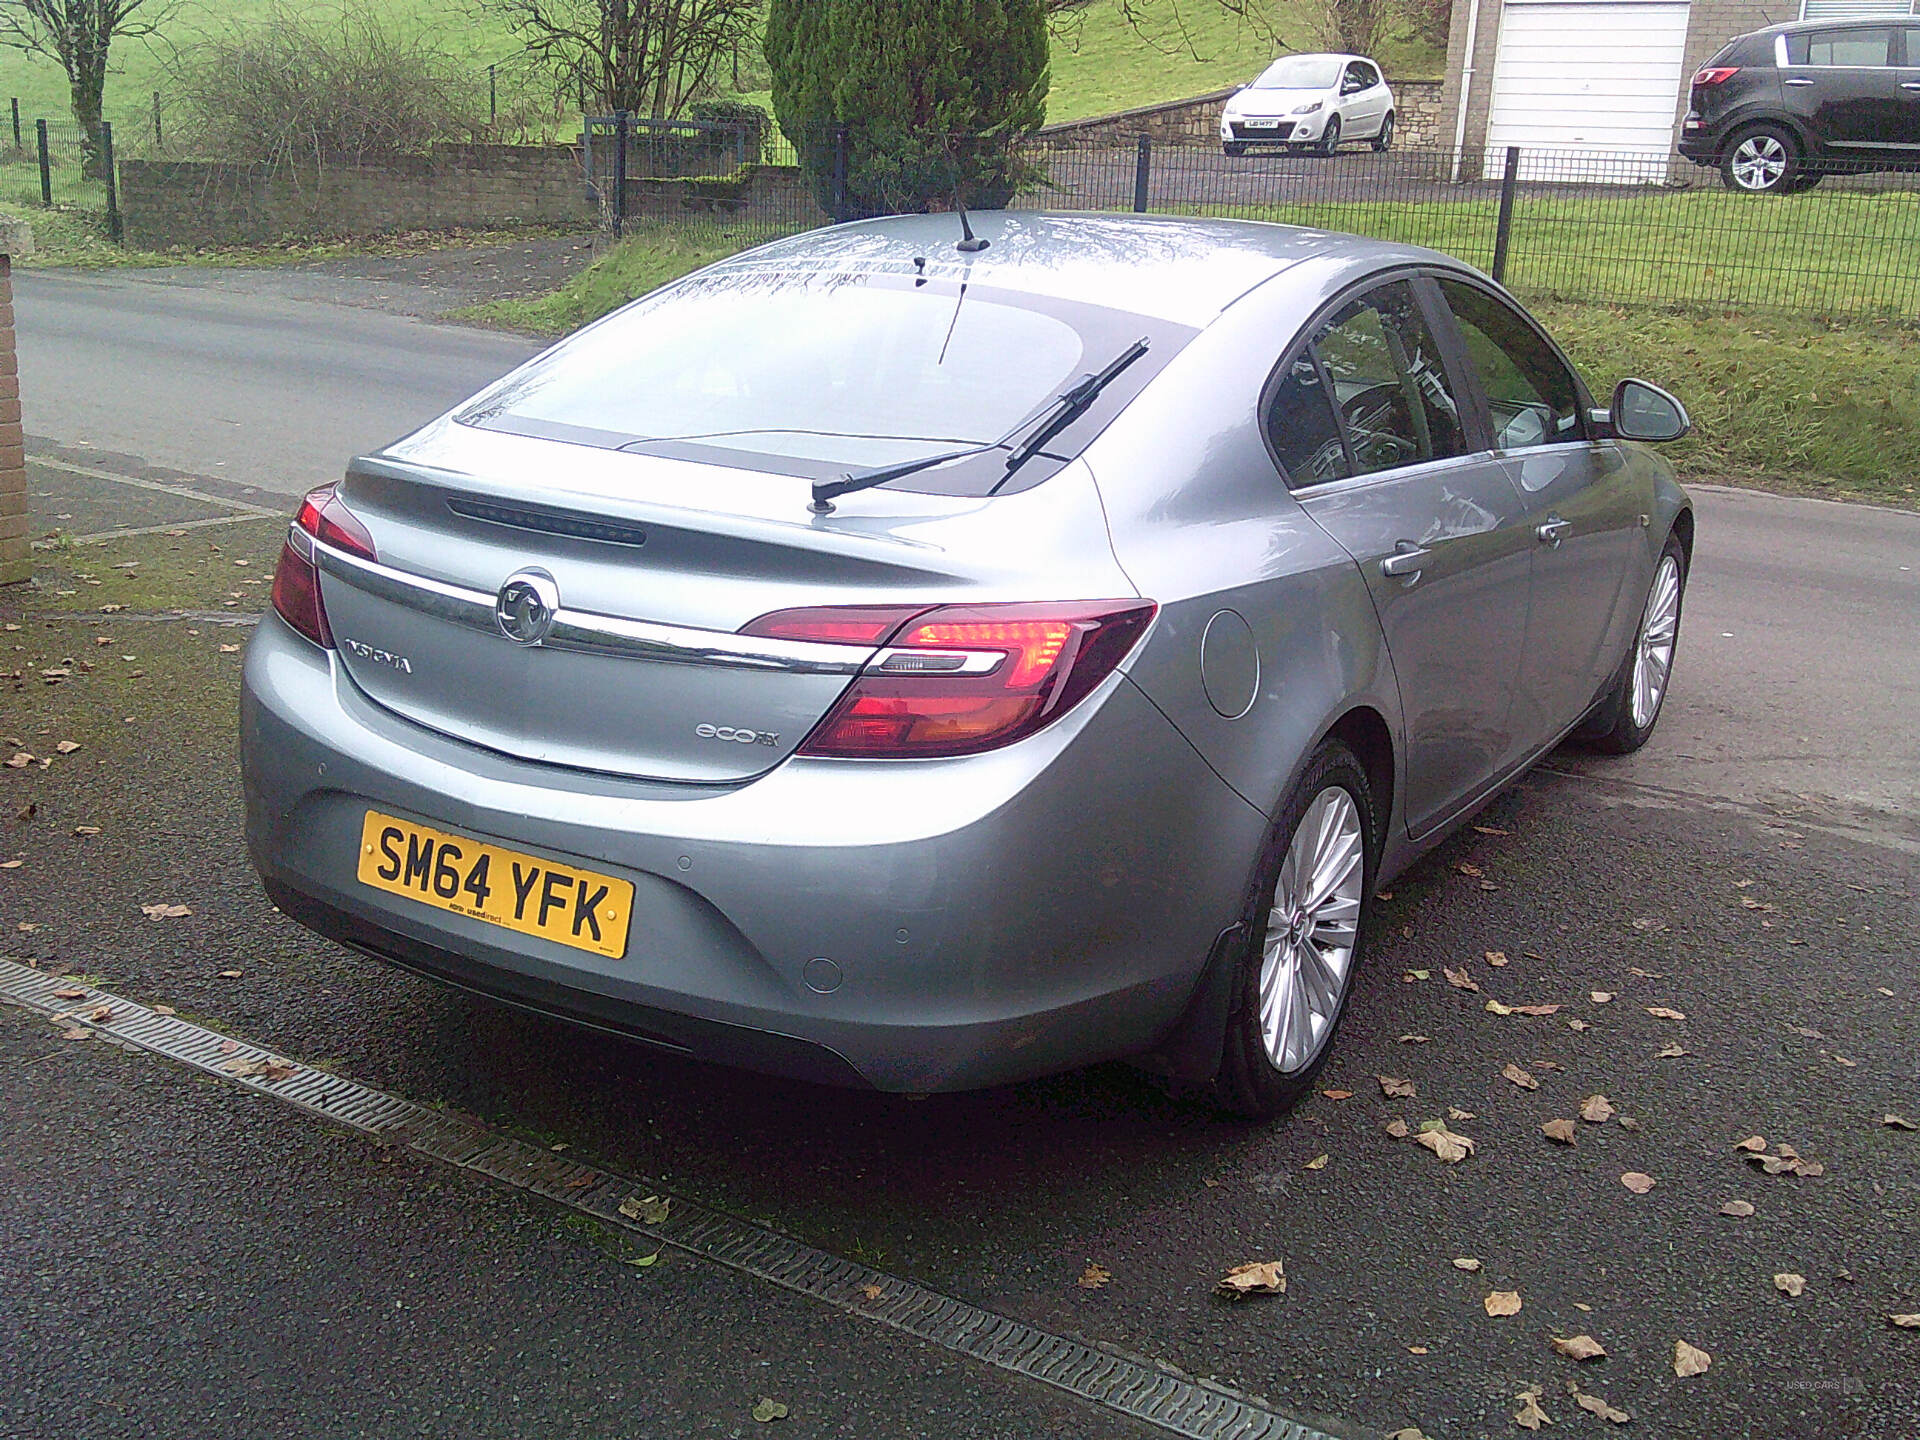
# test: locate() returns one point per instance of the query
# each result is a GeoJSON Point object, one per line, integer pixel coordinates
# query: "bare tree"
{"type": "Point", "coordinates": [79, 34]}
{"type": "Point", "coordinates": [646, 56]}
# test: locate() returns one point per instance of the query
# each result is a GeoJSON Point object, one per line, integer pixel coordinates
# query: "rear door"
{"type": "Point", "coordinates": [1843, 82]}
{"type": "Point", "coordinates": [1581, 507]}
{"type": "Point", "coordinates": [1368, 428]}
{"type": "Point", "coordinates": [1907, 123]}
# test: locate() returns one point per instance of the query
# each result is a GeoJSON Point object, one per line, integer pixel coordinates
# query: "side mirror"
{"type": "Point", "coordinates": [1646, 412]}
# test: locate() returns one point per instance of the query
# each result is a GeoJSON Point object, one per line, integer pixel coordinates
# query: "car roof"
{"type": "Point", "coordinates": [1850, 22]}
{"type": "Point", "coordinates": [1176, 268]}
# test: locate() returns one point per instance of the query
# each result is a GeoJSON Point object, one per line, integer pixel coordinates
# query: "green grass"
{"type": "Point", "coordinates": [1100, 64]}
{"type": "Point", "coordinates": [1817, 408]}
{"type": "Point", "coordinates": [1851, 254]}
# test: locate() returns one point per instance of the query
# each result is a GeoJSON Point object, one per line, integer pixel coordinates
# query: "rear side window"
{"type": "Point", "coordinates": [1388, 381]}
{"type": "Point", "coordinates": [1303, 430]}
{"type": "Point", "coordinates": [1533, 397]}
{"type": "Point", "coordinates": [1857, 48]}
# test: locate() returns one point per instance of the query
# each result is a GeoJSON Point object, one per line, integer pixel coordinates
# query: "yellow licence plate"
{"type": "Point", "coordinates": [527, 893]}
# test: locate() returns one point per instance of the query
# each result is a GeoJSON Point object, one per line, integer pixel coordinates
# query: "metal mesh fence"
{"type": "Point", "coordinates": [1628, 227]}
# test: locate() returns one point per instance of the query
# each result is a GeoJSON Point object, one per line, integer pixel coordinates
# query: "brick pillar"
{"type": "Point", "coordinates": [15, 562]}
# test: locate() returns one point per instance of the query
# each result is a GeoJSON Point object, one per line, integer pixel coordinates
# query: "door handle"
{"type": "Point", "coordinates": [1910, 84]}
{"type": "Point", "coordinates": [1405, 563]}
{"type": "Point", "coordinates": [1551, 532]}
{"type": "Point", "coordinates": [1799, 81]}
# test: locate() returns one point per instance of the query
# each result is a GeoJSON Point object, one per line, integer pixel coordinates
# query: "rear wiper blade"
{"type": "Point", "coordinates": [1066, 407]}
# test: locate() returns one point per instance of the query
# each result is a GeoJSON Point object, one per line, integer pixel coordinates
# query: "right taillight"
{"type": "Point", "coordinates": [960, 679]}
{"type": "Point", "coordinates": [1716, 74]}
{"type": "Point", "coordinates": [296, 579]}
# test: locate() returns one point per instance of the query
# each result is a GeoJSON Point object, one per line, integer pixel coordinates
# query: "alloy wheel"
{"type": "Point", "coordinates": [1653, 655]}
{"type": "Point", "coordinates": [1760, 162]}
{"type": "Point", "coordinates": [1312, 929]}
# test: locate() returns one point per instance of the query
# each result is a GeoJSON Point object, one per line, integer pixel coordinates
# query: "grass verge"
{"type": "Point", "coordinates": [1801, 406]}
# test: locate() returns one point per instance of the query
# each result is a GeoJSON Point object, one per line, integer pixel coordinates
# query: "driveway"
{"type": "Point", "coordinates": [183, 1256]}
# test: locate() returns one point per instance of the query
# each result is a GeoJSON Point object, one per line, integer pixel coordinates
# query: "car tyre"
{"type": "Point", "coordinates": [1761, 160]}
{"type": "Point", "coordinates": [1383, 142]}
{"type": "Point", "coordinates": [1301, 937]}
{"type": "Point", "coordinates": [1624, 720]}
{"type": "Point", "coordinates": [1233, 151]}
{"type": "Point", "coordinates": [1330, 137]}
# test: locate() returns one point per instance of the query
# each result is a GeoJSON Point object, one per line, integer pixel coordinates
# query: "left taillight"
{"type": "Point", "coordinates": [296, 579]}
{"type": "Point", "coordinates": [1716, 74]}
{"type": "Point", "coordinates": [960, 679]}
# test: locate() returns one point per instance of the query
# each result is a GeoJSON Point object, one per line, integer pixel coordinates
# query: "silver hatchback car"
{"type": "Point", "coordinates": [889, 661]}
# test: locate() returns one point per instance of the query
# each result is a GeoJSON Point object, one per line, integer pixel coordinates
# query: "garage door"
{"type": "Point", "coordinates": [1594, 77]}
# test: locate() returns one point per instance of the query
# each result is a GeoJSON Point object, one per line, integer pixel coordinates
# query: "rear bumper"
{"type": "Point", "coordinates": [1038, 908]}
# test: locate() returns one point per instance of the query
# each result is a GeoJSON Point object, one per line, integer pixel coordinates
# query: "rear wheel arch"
{"type": "Point", "coordinates": [1683, 532]}
{"type": "Point", "coordinates": [1364, 730]}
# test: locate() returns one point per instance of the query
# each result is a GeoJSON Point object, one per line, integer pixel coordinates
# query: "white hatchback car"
{"type": "Point", "coordinates": [1310, 102]}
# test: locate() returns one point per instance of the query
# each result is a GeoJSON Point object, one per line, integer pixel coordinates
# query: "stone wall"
{"type": "Point", "coordinates": [190, 202]}
{"type": "Point", "coordinates": [193, 202]}
{"type": "Point", "coordinates": [1196, 120]}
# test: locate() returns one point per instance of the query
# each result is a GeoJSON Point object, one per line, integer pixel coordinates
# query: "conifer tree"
{"type": "Point", "coordinates": [932, 95]}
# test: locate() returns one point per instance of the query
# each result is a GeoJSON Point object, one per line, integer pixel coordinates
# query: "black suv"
{"type": "Point", "coordinates": [1781, 109]}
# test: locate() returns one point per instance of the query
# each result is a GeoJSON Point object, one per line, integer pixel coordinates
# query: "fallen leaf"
{"type": "Point", "coordinates": [228, 649]}
{"type": "Point", "coordinates": [1636, 1182]}
{"type": "Point", "coordinates": [1338, 1094]}
{"type": "Point", "coordinates": [1536, 1009]}
{"type": "Point", "coordinates": [27, 927]}
{"type": "Point", "coordinates": [1414, 1039]}
{"type": "Point", "coordinates": [1394, 1088]}
{"type": "Point", "coordinates": [1397, 1128]}
{"type": "Point", "coordinates": [1319, 1162]}
{"type": "Point", "coordinates": [232, 974]}
{"type": "Point", "coordinates": [1689, 1359]}
{"type": "Point", "coordinates": [1755, 1143]}
{"type": "Point", "coordinates": [769, 1410]}
{"type": "Point", "coordinates": [1450, 1147]}
{"type": "Point", "coordinates": [1412, 1432]}
{"type": "Point", "coordinates": [1418, 1350]}
{"type": "Point", "coordinates": [1578, 1025]}
{"type": "Point", "coordinates": [1502, 1302]}
{"type": "Point", "coordinates": [1600, 997]}
{"type": "Point", "coordinates": [1560, 1130]}
{"type": "Point", "coordinates": [86, 829]}
{"type": "Point", "coordinates": [1496, 958]}
{"type": "Point", "coordinates": [1739, 1209]}
{"type": "Point", "coordinates": [1596, 1110]}
{"type": "Point", "coordinates": [164, 911]}
{"type": "Point", "coordinates": [11, 864]}
{"type": "Point", "coordinates": [1454, 1112]}
{"type": "Point", "coordinates": [1898, 1122]}
{"type": "Point", "coordinates": [873, 1291]}
{"type": "Point", "coordinates": [1806, 1032]}
{"type": "Point", "coordinates": [1670, 1052]}
{"type": "Point", "coordinates": [1520, 1077]}
{"type": "Point", "coordinates": [1256, 1277]}
{"type": "Point", "coordinates": [1884, 991]}
{"type": "Point", "coordinates": [1645, 923]}
{"type": "Point", "coordinates": [1906, 1322]}
{"type": "Point", "coordinates": [1594, 1405]}
{"type": "Point", "coordinates": [1788, 1283]}
{"type": "Point", "coordinates": [651, 1211]}
{"type": "Point", "coordinates": [1580, 1347]}
{"type": "Point", "coordinates": [70, 992]}
{"type": "Point", "coordinates": [1459, 979]}
{"type": "Point", "coordinates": [1093, 1277]}
{"type": "Point", "coordinates": [641, 1262]}
{"type": "Point", "coordinates": [99, 1013]}
{"type": "Point", "coordinates": [75, 1032]}
{"type": "Point", "coordinates": [1490, 830]}
{"type": "Point", "coordinates": [1467, 1263]}
{"type": "Point", "coordinates": [1665, 1012]}
{"type": "Point", "coordinates": [1530, 1416]}
{"type": "Point", "coordinates": [1472, 870]}
{"type": "Point", "coordinates": [1627, 1122]}
{"type": "Point", "coordinates": [1548, 1065]}
{"type": "Point", "coordinates": [67, 747]}
{"type": "Point", "coordinates": [20, 760]}
{"type": "Point", "coordinates": [1494, 1007]}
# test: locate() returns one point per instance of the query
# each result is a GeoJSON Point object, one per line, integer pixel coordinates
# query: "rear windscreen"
{"type": "Point", "coordinates": [815, 374]}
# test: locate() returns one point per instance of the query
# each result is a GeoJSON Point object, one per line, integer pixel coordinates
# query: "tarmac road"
{"type": "Point", "coordinates": [176, 1258]}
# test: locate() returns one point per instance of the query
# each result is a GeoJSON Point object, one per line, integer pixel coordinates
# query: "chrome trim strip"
{"type": "Point", "coordinates": [585, 632]}
{"type": "Point", "coordinates": [910, 662]}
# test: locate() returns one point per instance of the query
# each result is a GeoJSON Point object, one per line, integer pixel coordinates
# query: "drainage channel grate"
{"type": "Point", "coordinates": [1131, 1387]}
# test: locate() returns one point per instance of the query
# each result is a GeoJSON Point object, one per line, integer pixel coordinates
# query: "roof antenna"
{"type": "Point", "coordinates": [970, 244]}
